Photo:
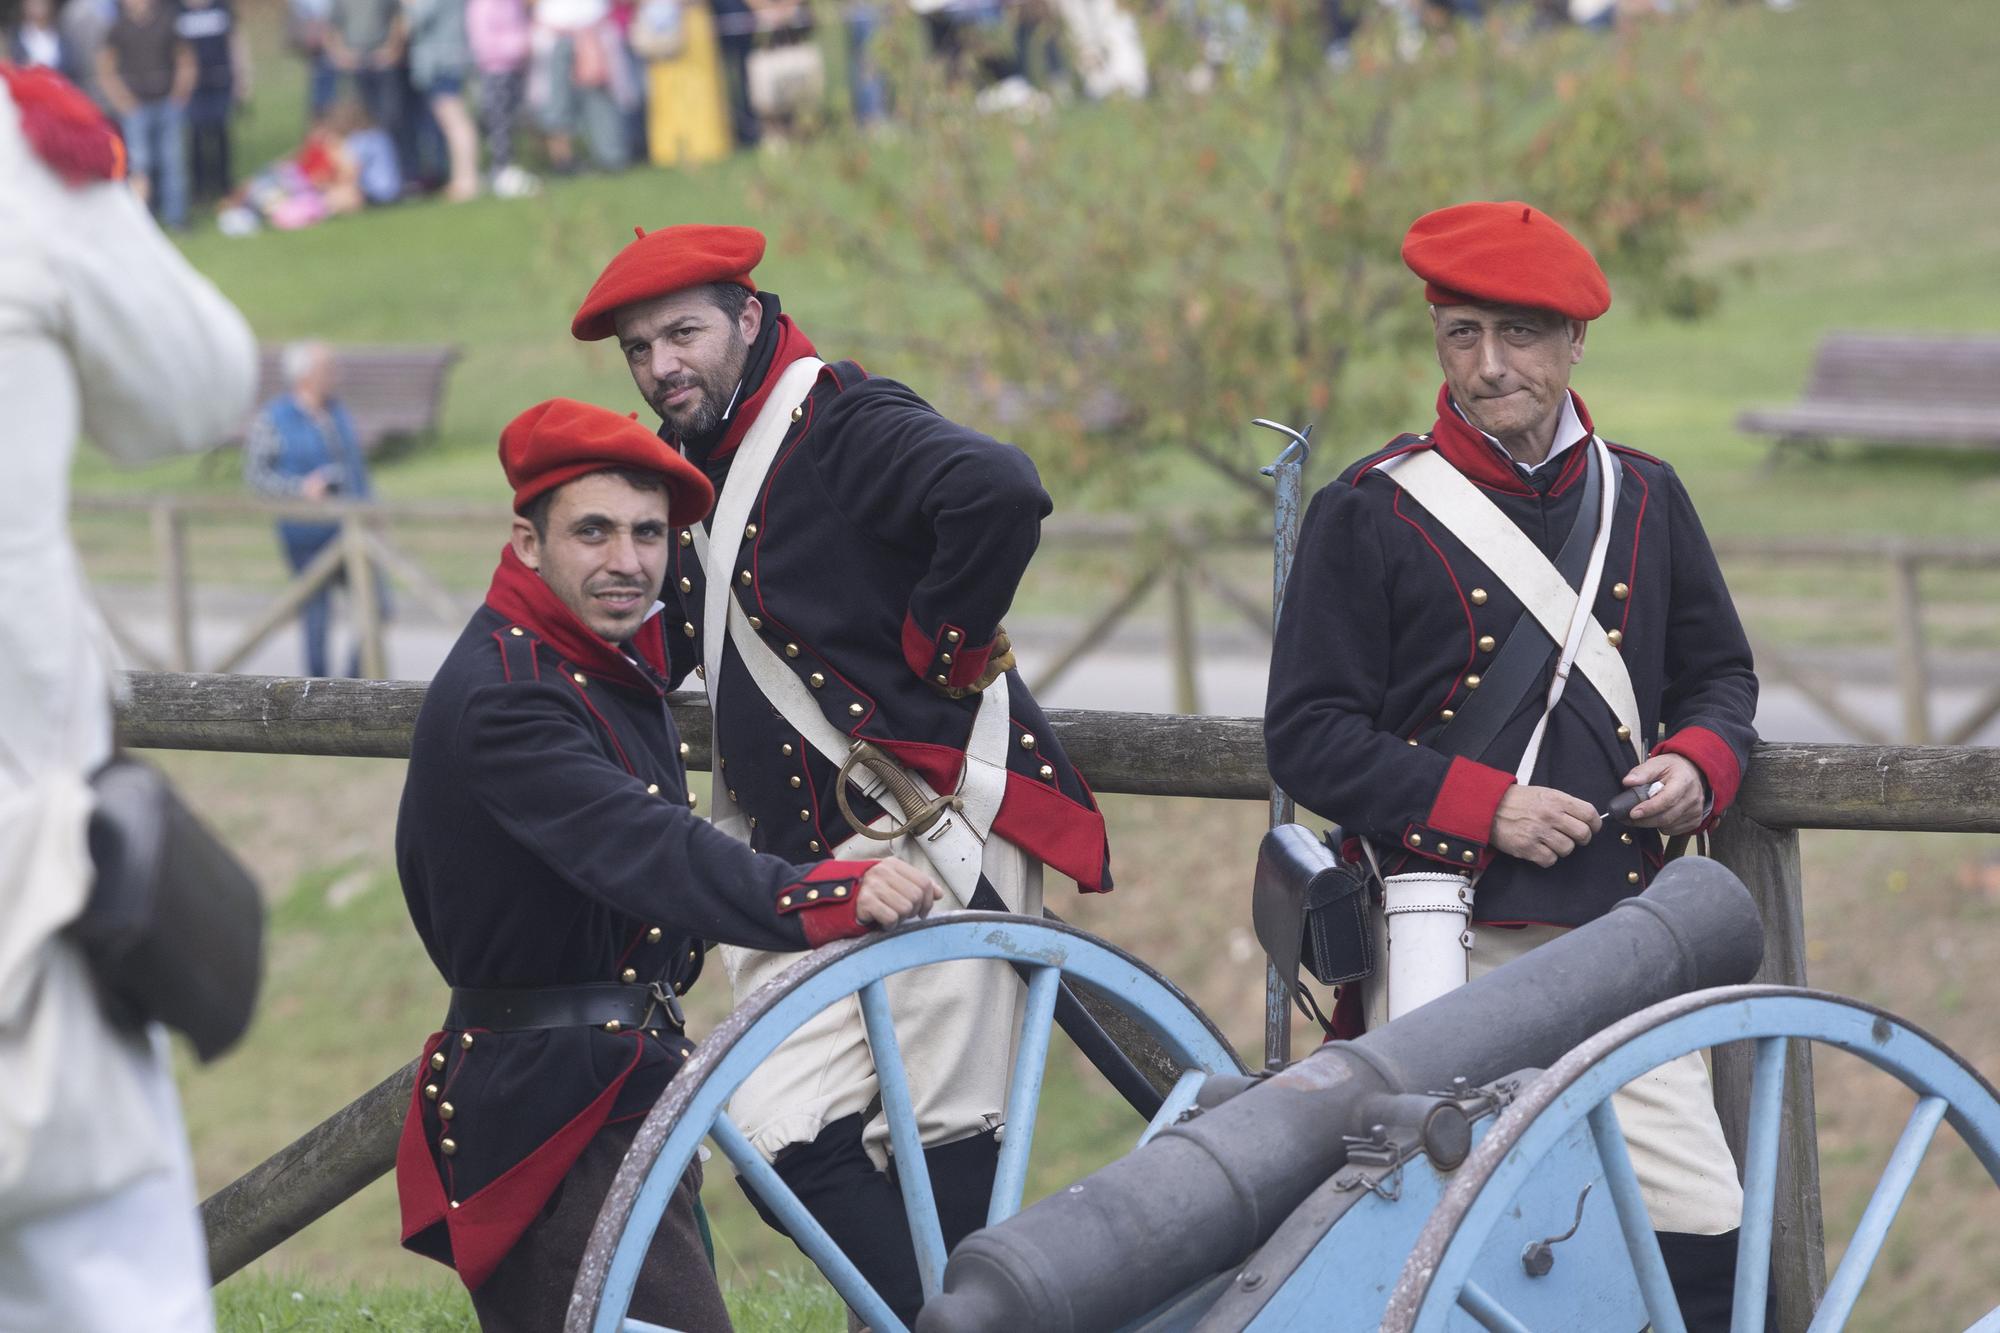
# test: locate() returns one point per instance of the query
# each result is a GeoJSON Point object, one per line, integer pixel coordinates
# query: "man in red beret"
{"type": "Point", "coordinates": [555, 868]}
{"type": "Point", "coordinates": [1439, 688]}
{"type": "Point", "coordinates": [843, 608]}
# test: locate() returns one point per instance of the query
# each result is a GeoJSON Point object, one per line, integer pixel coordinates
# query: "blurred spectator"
{"type": "Point", "coordinates": [84, 25]}
{"type": "Point", "coordinates": [147, 73]}
{"type": "Point", "coordinates": [497, 33]}
{"type": "Point", "coordinates": [687, 111]}
{"type": "Point", "coordinates": [345, 164]}
{"type": "Point", "coordinates": [364, 42]}
{"type": "Point", "coordinates": [306, 23]}
{"type": "Point", "coordinates": [580, 82]}
{"type": "Point", "coordinates": [302, 447]}
{"type": "Point", "coordinates": [113, 337]}
{"type": "Point", "coordinates": [867, 90]}
{"type": "Point", "coordinates": [440, 60]}
{"type": "Point", "coordinates": [622, 12]}
{"type": "Point", "coordinates": [736, 30]}
{"type": "Point", "coordinates": [222, 83]}
{"type": "Point", "coordinates": [38, 39]}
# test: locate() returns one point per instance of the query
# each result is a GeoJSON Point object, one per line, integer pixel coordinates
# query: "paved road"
{"type": "Point", "coordinates": [1133, 673]}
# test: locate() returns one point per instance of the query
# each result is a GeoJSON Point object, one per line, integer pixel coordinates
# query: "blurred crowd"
{"type": "Point", "coordinates": [452, 97]}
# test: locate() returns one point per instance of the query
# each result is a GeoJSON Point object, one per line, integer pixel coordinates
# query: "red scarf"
{"type": "Point", "coordinates": [792, 344]}
{"type": "Point", "coordinates": [1466, 448]}
{"type": "Point", "coordinates": [519, 594]}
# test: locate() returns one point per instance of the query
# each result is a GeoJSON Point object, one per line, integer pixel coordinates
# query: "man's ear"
{"type": "Point", "coordinates": [1577, 329]}
{"type": "Point", "coordinates": [751, 320]}
{"type": "Point", "coordinates": [527, 543]}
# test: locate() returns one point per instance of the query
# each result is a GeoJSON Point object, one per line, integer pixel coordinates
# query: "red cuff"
{"type": "Point", "coordinates": [1460, 822]}
{"type": "Point", "coordinates": [942, 659]}
{"type": "Point", "coordinates": [1717, 762]}
{"type": "Point", "coordinates": [825, 901]}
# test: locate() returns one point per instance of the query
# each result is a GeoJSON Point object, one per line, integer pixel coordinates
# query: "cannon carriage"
{"type": "Point", "coordinates": [1459, 1169]}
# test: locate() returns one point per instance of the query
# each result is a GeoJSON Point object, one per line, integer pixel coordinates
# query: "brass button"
{"type": "Point", "coordinates": [1444, 848]}
{"type": "Point", "coordinates": [942, 679]}
{"type": "Point", "coordinates": [687, 585]}
{"type": "Point", "coordinates": [1412, 741]}
{"type": "Point", "coordinates": [693, 800]}
{"type": "Point", "coordinates": [1620, 591]}
{"type": "Point", "coordinates": [749, 531]}
{"type": "Point", "coordinates": [437, 1060]}
{"type": "Point", "coordinates": [855, 710]}
{"type": "Point", "coordinates": [732, 793]}
{"type": "Point", "coordinates": [756, 622]}
{"type": "Point", "coordinates": [945, 658]}
{"type": "Point", "coordinates": [613, 1025]}
{"type": "Point", "coordinates": [629, 975]}
{"type": "Point", "coordinates": [812, 895]}
{"type": "Point", "coordinates": [431, 1091]}
{"type": "Point", "coordinates": [840, 892]}
{"type": "Point", "coordinates": [652, 789]}
{"type": "Point", "coordinates": [1468, 856]}
{"type": "Point", "coordinates": [684, 749]}
{"type": "Point", "coordinates": [700, 671]}
{"type": "Point", "coordinates": [785, 901]}
{"type": "Point", "coordinates": [797, 781]}
{"type": "Point", "coordinates": [951, 636]}
{"type": "Point", "coordinates": [1416, 840]}
{"type": "Point", "coordinates": [1447, 715]}
{"type": "Point", "coordinates": [1625, 838]}
{"type": "Point", "coordinates": [1479, 596]}
{"type": "Point", "coordinates": [653, 935]}
{"type": "Point", "coordinates": [1027, 741]}
{"type": "Point", "coordinates": [791, 650]}
{"type": "Point", "coordinates": [687, 628]}
{"type": "Point", "coordinates": [1631, 877]}
{"type": "Point", "coordinates": [1472, 682]}
{"type": "Point", "coordinates": [798, 412]}
{"type": "Point", "coordinates": [1486, 643]}
{"type": "Point", "coordinates": [454, 1203]}
{"type": "Point", "coordinates": [447, 1147]}
{"type": "Point", "coordinates": [578, 677]}
{"type": "Point", "coordinates": [812, 846]}
{"type": "Point", "coordinates": [1047, 772]}
{"type": "Point", "coordinates": [687, 538]}
{"type": "Point", "coordinates": [446, 1110]}
{"type": "Point", "coordinates": [464, 1041]}
{"type": "Point", "coordinates": [805, 816]}
{"type": "Point", "coordinates": [517, 631]}
{"type": "Point", "coordinates": [1624, 733]}
{"type": "Point", "coordinates": [786, 749]}
{"type": "Point", "coordinates": [1615, 637]}
{"type": "Point", "coordinates": [753, 821]}
{"type": "Point", "coordinates": [744, 578]}
{"type": "Point", "coordinates": [816, 679]}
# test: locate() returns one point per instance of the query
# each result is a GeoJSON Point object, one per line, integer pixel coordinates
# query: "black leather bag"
{"type": "Point", "coordinates": [174, 928]}
{"type": "Point", "coordinates": [1310, 908]}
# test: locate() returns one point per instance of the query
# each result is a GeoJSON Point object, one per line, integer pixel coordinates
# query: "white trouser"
{"type": "Point", "coordinates": [1685, 1169]}
{"type": "Point", "coordinates": [956, 1024]}
{"type": "Point", "coordinates": [133, 1257]}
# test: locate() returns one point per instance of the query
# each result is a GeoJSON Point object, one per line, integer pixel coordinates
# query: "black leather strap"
{"type": "Point", "coordinates": [1520, 669]}
{"type": "Point", "coordinates": [591, 1005]}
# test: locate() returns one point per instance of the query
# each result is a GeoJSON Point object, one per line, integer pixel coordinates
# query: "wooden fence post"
{"type": "Point", "coordinates": [361, 591]}
{"type": "Point", "coordinates": [1187, 684]}
{"type": "Point", "coordinates": [1912, 672]}
{"type": "Point", "coordinates": [170, 542]}
{"type": "Point", "coordinates": [1767, 861]}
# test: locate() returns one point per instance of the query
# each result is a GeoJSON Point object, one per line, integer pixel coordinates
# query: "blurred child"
{"type": "Point", "coordinates": [498, 34]}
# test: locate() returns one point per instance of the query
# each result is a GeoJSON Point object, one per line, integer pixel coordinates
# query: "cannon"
{"type": "Point", "coordinates": [1460, 1168]}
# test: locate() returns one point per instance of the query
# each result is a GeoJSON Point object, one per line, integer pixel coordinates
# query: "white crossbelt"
{"type": "Point", "coordinates": [955, 845]}
{"type": "Point", "coordinates": [1498, 543]}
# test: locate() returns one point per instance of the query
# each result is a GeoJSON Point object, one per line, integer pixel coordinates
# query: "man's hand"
{"type": "Point", "coordinates": [316, 483]}
{"type": "Point", "coordinates": [894, 891]}
{"type": "Point", "coordinates": [1682, 800]}
{"type": "Point", "coordinates": [1541, 824]}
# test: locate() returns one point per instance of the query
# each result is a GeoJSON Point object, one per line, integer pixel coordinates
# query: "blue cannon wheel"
{"type": "Point", "coordinates": [1438, 1278]}
{"type": "Point", "coordinates": [693, 1106]}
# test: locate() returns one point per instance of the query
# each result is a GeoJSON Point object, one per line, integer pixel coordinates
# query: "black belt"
{"type": "Point", "coordinates": [596, 1005]}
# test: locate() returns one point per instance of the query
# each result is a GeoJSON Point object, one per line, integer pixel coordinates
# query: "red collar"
{"type": "Point", "coordinates": [1468, 450]}
{"type": "Point", "coordinates": [519, 594]}
{"type": "Point", "coordinates": [792, 344]}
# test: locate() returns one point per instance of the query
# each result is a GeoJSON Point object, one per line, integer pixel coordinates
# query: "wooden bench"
{"type": "Point", "coordinates": [1892, 389]}
{"type": "Point", "coordinates": [390, 391]}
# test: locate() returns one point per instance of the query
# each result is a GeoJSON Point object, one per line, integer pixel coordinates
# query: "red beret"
{"type": "Point", "coordinates": [663, 262]}
{"type": "Point", "coordinates": [558, 441]}
{"type": "Point", "coordinates": [1504, 254]}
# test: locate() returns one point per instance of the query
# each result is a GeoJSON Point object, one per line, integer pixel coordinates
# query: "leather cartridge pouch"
{"type": "Point", "coordinates": [1310, 908]}
{"type": "Point", "coordinates": [174, 926]}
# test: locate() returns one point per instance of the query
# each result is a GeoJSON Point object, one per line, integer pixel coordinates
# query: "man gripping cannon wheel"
{"type": "Point", "coordinates": [565, 888]}
{"type": "Point", "coordinates": [842, 606]}
{"type": "Point", "coordinates": [1440, 689]}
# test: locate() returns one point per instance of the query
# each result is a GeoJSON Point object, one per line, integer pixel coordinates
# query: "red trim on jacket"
{"type": "Point", "coordinates": [922, 653]}
{"type": "Point", "coordinates": [1468, 799]}
{"type": "Point", "coordinates": [1717, 762]}
{"type": "Point", "coordinates": [482, 1229]}
{"type": "Point", "coordinates": [918, 648]}
{"type": "Point", "coordinates": [519, 594]}
{"type": "Point", "coordinates": [792, 344]}
{"type": "Point", "coordinates": [826, 909]}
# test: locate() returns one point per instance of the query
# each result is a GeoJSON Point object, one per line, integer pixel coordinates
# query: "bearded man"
{"type": "Point", "coordinates": [843, 607]}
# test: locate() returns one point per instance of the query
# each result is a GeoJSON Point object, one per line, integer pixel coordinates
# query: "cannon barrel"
{"type": "Point", "coordinates": [1204, 1194]}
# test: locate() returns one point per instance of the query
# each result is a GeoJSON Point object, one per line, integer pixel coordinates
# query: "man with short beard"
{"type": "Point", "coordinates": [565, 889]}
{"type": "Point", "coordinates": [847, 596]}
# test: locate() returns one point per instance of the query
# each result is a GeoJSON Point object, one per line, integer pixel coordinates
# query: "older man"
{"type": "Point", "coordinates": [302, 446]}
{"type": "Point", "coordinates": [1440, 688]}
{"type": "Point", "coordinates": [566, 890]}
{"type": "Point", "coordinates": [843, 607]}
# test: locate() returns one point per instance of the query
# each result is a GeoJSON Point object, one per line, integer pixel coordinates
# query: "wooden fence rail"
{"type": "Point", "coordinates": [1788, 787]}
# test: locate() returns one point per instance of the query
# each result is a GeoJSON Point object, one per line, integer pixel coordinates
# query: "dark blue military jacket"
{"type": "Point", "coordinates": [545, 839]}
{"type": "Point", "coordinates": [1389, 620]}
{"type": "Point", "coordinates": [881, 555]}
